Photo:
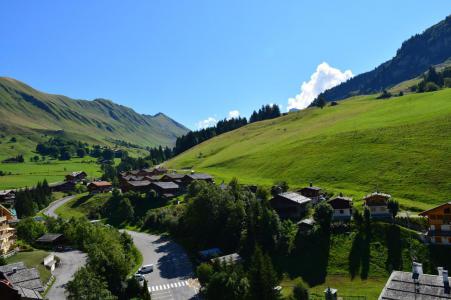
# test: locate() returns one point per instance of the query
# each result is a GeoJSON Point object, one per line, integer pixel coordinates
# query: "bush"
{"type": "Point", "coordinates": [300, 290]}
{"type": "Point", "coordinates": [447, 82]}
{"type": "Point", "coordinates": [430, 87]}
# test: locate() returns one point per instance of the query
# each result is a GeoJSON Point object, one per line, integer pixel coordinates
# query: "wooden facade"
{"type": "Point", "coordinates": [439, 220]}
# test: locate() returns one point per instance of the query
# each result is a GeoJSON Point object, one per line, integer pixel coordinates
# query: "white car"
{"type": "Point", "coordinates": [146, 269]}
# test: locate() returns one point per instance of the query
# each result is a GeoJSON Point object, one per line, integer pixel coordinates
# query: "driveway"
{"type": "Point", "coordinates": [173, 277]}
{"type": "Point", "coordinates": [70, 262]}
{"type": "Point", "coordinates": [50, 210]}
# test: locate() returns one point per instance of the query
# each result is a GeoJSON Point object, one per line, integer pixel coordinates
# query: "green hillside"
{"type": "Point", "coordinates": [26, 111]}
{"type": "Point", "coordinates": [401, 145]}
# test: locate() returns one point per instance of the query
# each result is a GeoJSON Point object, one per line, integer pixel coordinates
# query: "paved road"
{"type": "Point", "coordinates": [50, 210]}
{"type": "Point", "coordinates": [172, 278]}
{"type": "Point", "coordinates": [70, 262]}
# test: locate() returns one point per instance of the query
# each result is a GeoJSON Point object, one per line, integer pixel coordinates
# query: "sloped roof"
{"type": "Point", "coordinates": [425, 213]}
{"type": "Point", "coordinates": [200, 176]}
{"type": "Point", "coordinates": [100, 183]}
{"type": "Point", "coordinates": [139, 183]}
{"type": "Point", "coordinates": [165, 185]}
{"type": "Point", "coordinates": [401, 286]}
{"type": "Point", "coordinates": [174, 175]}
{"type": "Point", "coordinates": [388, 196]}
{"type": "Point", "coordinates": [295, 197]}
{"type": "Point", "coordinates": [49, 237]}
{"type": "Point", "coordinates": [340, 202]}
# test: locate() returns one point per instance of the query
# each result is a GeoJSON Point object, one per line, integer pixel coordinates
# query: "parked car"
{"type": "Point", "coordinates": [139, 277]}
{"type": "Point", "coordinates": [146, 269]}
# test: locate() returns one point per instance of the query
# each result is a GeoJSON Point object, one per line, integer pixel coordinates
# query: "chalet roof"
{"type": "Point", "coordinates": [199, 176]}
{"type": "Point", "coordinates": [100, 183]}
{"type": "Point", "coordinates": [49, 237]}
{"type": "Point", "coordinates": [27, 293]}
{"type": "Point", "coordinates": [340, 202]}
{"type": "Point", "coordinates": [133, 172]}
{"type": "Point", "coordinates": [20, 276]}
{"type": "Point", "coordinates": [139, 183]}
{"type": "Point", "coordinates": [6, 192]}
{"type": "Point", "coordinates": [153, 177]}
{"type": "Point", "coordinates": [230, 258]}
{"type": "Point", "coordinates": [426, 212]}
{"type": "Point", "coordinates": [165, 185]}
{"type": "Point", "coordinates": [294, 197]}
{"type": "Point", "coordinates": [401, 286]}
{"type": "Point", "coordinates": [383, 195]}
{"type": "Point", "coordinates": [312, 188]}
{"type": "Point", "coordinates": [134, 178]}
{"type": "Point", "coordinates": [174, 175]}
{"type": "Point", "coordinates": [77, 173]}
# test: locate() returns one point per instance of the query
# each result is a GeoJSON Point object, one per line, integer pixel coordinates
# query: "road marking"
{"type": "Point", "coordinates": [167, 286]}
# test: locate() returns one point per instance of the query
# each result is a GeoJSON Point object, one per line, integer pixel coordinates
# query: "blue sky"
{"type": "Point", "coordinates": [195, 60]}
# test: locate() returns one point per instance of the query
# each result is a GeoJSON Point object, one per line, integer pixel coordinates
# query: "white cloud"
{"type": "Point", "coordinates": [325, 77]}
{"type": "Point", "coordinates": [233, 114]}
{"type": "Point", "coordinates": [208, 122]}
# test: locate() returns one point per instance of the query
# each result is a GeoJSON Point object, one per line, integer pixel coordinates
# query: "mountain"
{"type": "Point", "coordinates": [26, 110]}
{"type": "Point", "coordinates": [415, 56]}
{"type": "Point", "coordinates": [400, 146]}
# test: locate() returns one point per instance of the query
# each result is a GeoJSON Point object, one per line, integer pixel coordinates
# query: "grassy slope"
{"type": "Point", "coordinates": [25, 110]}
{"type": "Point", "coordinates": [401, 145]}
{"type": "Point", "coordinates": [81, 205]}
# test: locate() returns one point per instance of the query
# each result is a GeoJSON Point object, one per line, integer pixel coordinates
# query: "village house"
{"type": "Point", "coordinates": [21, 276]}
{"type": "Point", "coordinates": [76, 176]}
{"type": "Point", "coordinates": [153, 171]}
{"type": "Point", "coordinates": [312, 192]}
{"type": "Point", "coordinates": [51, 240]}
{"type": "Point", "coordinates": [342, 207]}
{"type": "Point", "coordinates": [136, 186]}
{"type": "Point", "coordinates": [187, 179]}
{"type": "Point", "coordinates": [99, 187]}
{"type": "Point", "coordinates": [377, 204]}
{"type": "Point", "coordinates": [64, 186]}
{"type": "Point", "coordinates": [7, 197]}
{"type": "Point", "coordinates": [165, 189]}
{"type": "Point", "coordinates": [7, 233]}
{"type": "Point", "coordinates": [416, 285]}
{"type": "Point", "coordinates": [8, 291]}
{"type": "Point", "coordinates": [173, 177]}
{"type": "Point", "coordinates": [290, 205]}
{"type": "Point", "coordinates": [439, 220]}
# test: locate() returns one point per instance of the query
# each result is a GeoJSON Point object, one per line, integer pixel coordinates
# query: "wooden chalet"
{"type": "Point", "coordinates": [136, 186]}
{"type": "Point", "coordinates": [187, 179]}
{"type": "Point", "coordinates": [165, 189]}
{"type": "Point", "coordinates": [7, 233]}
{"type": "Point", "coordinates": [7, 197]}
{"type": "Point", "coordinates": [342, 207]}
{"type": "Point", "coordinates": [64, 186]}
{"type": "Point", "coordinates": [76, 176]}
{"type": "Point", "coordinates": [290, 205]}
{"type": "Point", "coordinates": [377, 203]}
{"type": "Point", "coordinates": [173, 177]}
{"type": "Point", "coordinates": [312, 192]}
{"type": "Point", "coordinates": [99, 187]}
{"type": "Point", "coordinates": [439, 220]}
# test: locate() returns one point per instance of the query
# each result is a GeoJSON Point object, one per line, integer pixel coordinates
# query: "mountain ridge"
{"type": "Point", "coordinates": [415, 56]}
{"type": "Point", "coordinates": [27, 109]}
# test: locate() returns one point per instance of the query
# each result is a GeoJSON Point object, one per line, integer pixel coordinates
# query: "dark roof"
{"type": "Point", "coordinates": [174, 175]}
{"type": "Point", "coordinates": [133, 178]}
{"type": "Point", "coordinates": [139, 183]}
{"type": "Point", "coordinates": [401, 286]}
{"type": "Point", "coordinates": [20, 276]}
{"type": "Point", "coordinates": [200, 176]}
{"type": "Point", "coordinates": [27, 293]}
{"type": "Point", "coordinates": [165, 185]}
{"type": "Point", "coordinates": [383, 195]}
{"type": "Point", "coordinates": [49, 237]}
{"type": "Point", "coordinates": [294, 197]}
{"type": "Point", "coordinates": [340, 202]}
{"type": "Point", "coordinates": [313, 188]}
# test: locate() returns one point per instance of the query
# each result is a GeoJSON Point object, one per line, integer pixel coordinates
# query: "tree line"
{"type": "Point", "coordinates": [433, 80]}
{"type": "Point", "coordinates": [29, 201]}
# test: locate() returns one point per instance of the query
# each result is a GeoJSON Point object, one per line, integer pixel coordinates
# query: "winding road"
{"type": "Point", "coordinates": [172, 278]}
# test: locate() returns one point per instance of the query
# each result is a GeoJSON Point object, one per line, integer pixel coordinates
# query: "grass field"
{"type": "Point", "coordinates": [400, 146]}
{"type": "Point", "coordinates": [33, 259]}
{"type": "Point", "coordinates": [82, 205]}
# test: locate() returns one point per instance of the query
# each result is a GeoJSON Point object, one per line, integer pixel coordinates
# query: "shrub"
{"type": "Point", "coordinates": [300, 290]}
